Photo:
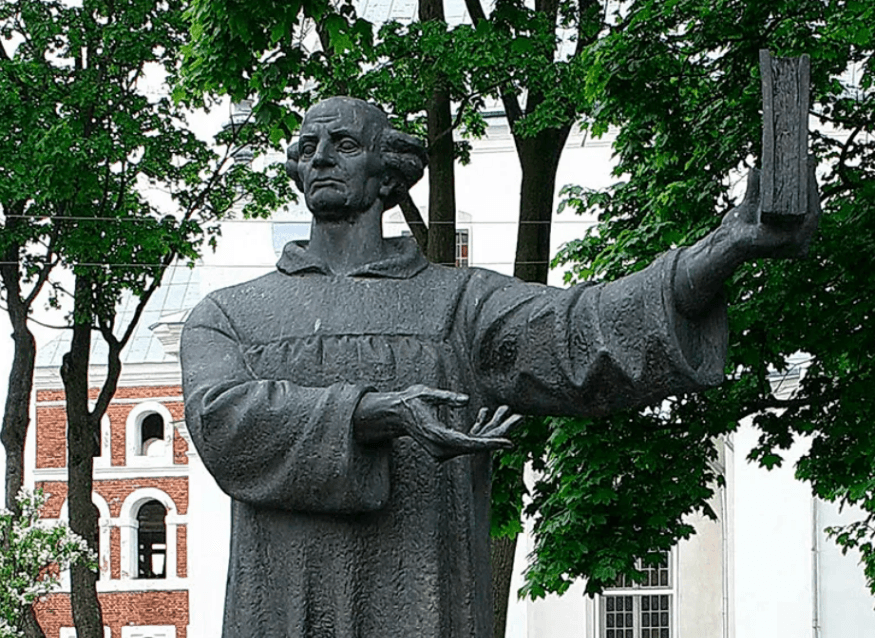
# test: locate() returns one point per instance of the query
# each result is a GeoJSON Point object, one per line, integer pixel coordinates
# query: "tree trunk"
{"type": "Point", "coordinates": [16, 417]}
{"type": "Point", "coordinates": [441, 168]}
{"type": "Point", "coordinates": [501, 551]}
{"type": "Point", "coordinates": [81, 448]}
{"type": "Point", "coordinates": [539, 159]}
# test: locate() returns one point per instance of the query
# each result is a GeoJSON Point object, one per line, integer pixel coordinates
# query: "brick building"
{"type": "Point", "coordinates": [141, 477]}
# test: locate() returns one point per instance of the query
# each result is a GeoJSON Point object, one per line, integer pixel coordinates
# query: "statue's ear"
{"type": "Point", "coordinates": [391, 189]}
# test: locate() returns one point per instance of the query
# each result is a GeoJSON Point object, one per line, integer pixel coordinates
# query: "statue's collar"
{"type": "Point", "coordinates": [404, 260]}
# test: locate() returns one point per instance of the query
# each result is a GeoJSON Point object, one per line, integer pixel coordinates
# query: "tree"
{"type": "Point", "coordinates": [33, 556]}
{"type": "Point", "coordinates": [82, 138]}
{"type": "Point", "coordinates": [681, 84]}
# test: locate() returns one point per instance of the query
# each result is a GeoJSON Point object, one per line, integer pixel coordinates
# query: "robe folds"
{"type": "Point", "coordinates": [335, 539]}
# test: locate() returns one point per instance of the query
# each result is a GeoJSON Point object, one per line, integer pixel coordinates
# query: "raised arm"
{"type": "Point", "coordinates": [742, 236]}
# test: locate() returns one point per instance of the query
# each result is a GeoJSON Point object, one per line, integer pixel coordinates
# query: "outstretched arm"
{"type": "Point", "coordinates": [742, 236]}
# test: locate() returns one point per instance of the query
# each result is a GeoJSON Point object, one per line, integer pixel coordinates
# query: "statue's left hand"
{"type": "Point", "coordinates": [756, 238]}
{"type": "Point", "coordinates": [413, 412]}
{"type": "Point", "coordinates": [484, 436]}
{"type": "Point", "coordinates": [742, 236]}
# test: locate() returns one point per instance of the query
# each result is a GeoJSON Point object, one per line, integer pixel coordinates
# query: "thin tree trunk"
{"type": "Point", "coordinates": [539, 159]}
{"type": "Point", "coordinates": [441, 168]}
{"type": "Point", "coordinates": [81, 448]}
{"type": "Point", "coordinates": [16, 416]}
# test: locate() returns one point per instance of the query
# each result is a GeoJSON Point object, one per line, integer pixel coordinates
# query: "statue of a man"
{"type": "Point", "coordinates": [338, 400]}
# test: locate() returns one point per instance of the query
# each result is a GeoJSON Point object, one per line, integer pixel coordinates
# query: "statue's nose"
{"type": "Point", "coordinates": [324, 155]}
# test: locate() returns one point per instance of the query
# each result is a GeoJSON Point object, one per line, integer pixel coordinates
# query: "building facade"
{"type": "Point", "coordinates": [141, 483]}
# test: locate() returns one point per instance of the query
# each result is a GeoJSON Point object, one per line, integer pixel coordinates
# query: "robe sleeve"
{"type": "Point", "coordinates": [590, 349]}
{"type": "Point", "coordinates": [271, 442]}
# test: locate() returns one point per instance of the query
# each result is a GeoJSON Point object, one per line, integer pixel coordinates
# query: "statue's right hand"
{"type": "Point", "coordinates": [414, 412]}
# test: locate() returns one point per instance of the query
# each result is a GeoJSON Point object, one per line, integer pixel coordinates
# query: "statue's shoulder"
{"type": "Point", "coordinates": [245, 297]}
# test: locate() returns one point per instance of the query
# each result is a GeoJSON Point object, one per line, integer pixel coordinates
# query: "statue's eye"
{"type": "Point", "coordinates": [348, 145]}
{"type": "Point", "coordinates": [307, 149]}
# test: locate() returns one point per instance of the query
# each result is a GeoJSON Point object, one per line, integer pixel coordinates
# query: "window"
{"type": "Point", "coordinates": [151, 541]}
{"type": "Point", "coordinates": [640, 610]}
{"type": "Point", "coordinates": [152, 435]}
{"type": "Point", "coordinates": [148, 435]}
{"type": "Point", "coordinates": [462, 248]}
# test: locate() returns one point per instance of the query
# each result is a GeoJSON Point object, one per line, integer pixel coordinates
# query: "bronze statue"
{"type": "Point", "coordinates": [338, 400]}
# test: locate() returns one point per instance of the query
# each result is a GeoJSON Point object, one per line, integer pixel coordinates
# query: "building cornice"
{"type": "Point", "coordinates": [133, 375]}
{"type": "Point", "coordinates": [116, 472]}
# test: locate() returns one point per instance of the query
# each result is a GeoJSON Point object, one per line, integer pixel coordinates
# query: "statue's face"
{"type": "Point", "coordinates": [339, 165]}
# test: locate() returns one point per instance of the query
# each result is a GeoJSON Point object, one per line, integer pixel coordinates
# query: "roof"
{"type": "Point", "coordinates": [179, 292]}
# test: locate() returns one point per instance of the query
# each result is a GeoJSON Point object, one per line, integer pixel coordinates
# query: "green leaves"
{"type": "Point", "coordinates": [680, 84]}
{"type": "Point", "coordinates": [614, 490]}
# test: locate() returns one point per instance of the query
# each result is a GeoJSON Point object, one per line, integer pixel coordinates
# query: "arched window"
{"type": "Point", "coordinates": [151, 540]}
{"type": "Point", "coordinates": [148, 435]}
{"type": "Point", "coordinates": [152, 435]}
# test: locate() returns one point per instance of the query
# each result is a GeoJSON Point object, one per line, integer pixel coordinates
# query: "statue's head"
{"type": "Point", "coordinates": [348, 156]}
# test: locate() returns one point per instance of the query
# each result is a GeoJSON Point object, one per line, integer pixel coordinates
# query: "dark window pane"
{"type": "Point", "coordinates": [645, 603]}
{"type": "Point", "coordinates": [663, 619]}
{"type": "Point", "coordinates": [664, 634]}
{"type": "Point", "coordinates": [645, 619]}
{"type": "Point", "coordinates": [663, 601]}
{"type": "Point", "coordinates": [628, 603]}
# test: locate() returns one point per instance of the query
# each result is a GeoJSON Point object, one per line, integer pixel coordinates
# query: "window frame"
{"type": "Point", "coordinates": [637, 592]}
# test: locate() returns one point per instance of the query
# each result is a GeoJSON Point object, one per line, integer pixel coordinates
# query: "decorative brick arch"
{"type": "Point", "coordinates": [128, 527]}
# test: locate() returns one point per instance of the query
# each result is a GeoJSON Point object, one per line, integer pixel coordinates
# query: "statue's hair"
{"type": "Point", "coordinates": [403, 155]}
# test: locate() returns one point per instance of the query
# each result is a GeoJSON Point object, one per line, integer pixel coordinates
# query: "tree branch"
{"type": "Point", "coordinates": [512, 108]}
{"type": "Point", "coordinates": [415, 222]}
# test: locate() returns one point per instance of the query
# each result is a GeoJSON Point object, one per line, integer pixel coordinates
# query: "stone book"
{"type": "Point", "coordinates": [784, 184]}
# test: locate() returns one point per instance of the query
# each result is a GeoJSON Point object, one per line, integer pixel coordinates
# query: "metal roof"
{"type": "Point", "coordinates": [179, 292]}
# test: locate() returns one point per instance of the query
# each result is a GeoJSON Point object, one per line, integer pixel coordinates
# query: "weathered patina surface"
{"type": "Point", "coordinates": [333, 399]}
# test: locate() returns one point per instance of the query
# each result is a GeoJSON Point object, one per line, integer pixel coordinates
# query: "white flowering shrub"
{"type": "Point", "coordinates": [32, 554]}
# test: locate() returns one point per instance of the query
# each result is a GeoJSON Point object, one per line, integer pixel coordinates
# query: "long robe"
{"type": "Point", "coordinates": [335, 539]}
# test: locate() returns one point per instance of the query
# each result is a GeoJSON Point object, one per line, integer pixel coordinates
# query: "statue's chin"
{"type": "Point", "coordinates": [334, 209]}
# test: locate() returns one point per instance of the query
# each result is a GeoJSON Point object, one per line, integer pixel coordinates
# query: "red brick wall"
{"type": "Point", "coordinates": [180, 449]}
{"type": "Point", "coordinates": [115, 552]}
{"type": "Point", "coordinates": [115, 492]}
{"type": "Point", "coordinates": [51, 422]}
{"type": "Point", "coordinates": [182, 551]}
{"type": "Point", "coordinates": [56, 493]}
{"type": "Point", "coordinates": [119, 609]}
{"type": "Point", "coordinates": [51, 437]}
